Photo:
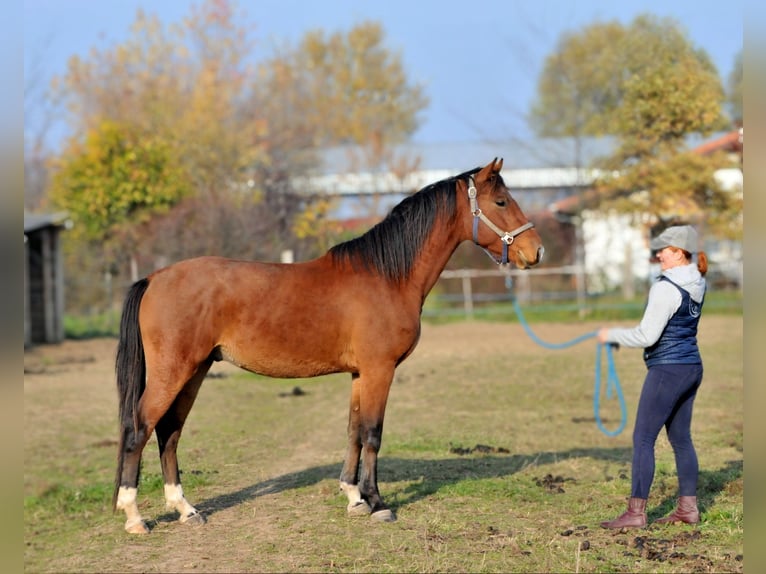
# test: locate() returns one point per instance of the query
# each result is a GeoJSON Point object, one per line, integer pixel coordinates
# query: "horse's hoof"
{"type": "Point", "coordinates": [360, 508]}
{"type": "Point", "coordinates": [196, 519]}
{"type": "Point", "coordinates": [384, 515]}
{"type": "Point", "coordinates": [139, 527]}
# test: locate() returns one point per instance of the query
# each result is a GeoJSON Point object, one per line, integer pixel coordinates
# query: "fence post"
{"type": "Point", "coordinates": [580, 267]}
{"type": "Point", "coordinates": [467, 295]}
{"type": "Point", "coordinates": [524, 289]}
{"type": "Point", "coordinates": [628, 284]}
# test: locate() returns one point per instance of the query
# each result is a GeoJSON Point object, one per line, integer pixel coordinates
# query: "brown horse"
{"type": "Point", "coordinates": [355, 309]}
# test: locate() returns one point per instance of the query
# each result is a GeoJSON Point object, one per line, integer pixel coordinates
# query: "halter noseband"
{"type": "Point", "coordinates": [506, 237]}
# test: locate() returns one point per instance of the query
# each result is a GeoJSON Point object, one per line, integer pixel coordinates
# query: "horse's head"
{"type": "Point", "coordinates": [498, 224]}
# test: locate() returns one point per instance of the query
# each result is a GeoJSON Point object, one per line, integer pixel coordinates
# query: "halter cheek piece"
{"type": "Point", "coordinates": [506, 237]}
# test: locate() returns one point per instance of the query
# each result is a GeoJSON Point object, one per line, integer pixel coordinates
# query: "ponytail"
{"type": "Point", "coordinates": [701, 259]}
{"type": "Point", "coordinates": [702, 262]}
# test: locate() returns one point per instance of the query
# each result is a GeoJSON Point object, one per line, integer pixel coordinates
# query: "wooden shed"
{"type": "Point", "coordinates": [43, 278]}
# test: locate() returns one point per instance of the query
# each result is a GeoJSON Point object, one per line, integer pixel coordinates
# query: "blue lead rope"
{"type": "Point", "coordinates": [613, 382]}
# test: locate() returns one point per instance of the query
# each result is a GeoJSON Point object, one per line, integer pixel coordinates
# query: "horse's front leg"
{"type": "Point", "coordinates": [349, 476]}
{"type": "Point", "coordinates": [373, 397]}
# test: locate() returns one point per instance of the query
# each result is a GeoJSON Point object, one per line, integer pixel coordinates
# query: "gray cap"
{"type": "Point", "coordinates": [681, 236]}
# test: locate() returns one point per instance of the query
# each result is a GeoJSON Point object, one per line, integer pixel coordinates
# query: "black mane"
{"type": "Point", "coordinates": [390, 247]}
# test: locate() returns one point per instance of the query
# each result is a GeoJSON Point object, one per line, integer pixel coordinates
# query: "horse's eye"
{"type": "Point", "coordinates": [500, 202]}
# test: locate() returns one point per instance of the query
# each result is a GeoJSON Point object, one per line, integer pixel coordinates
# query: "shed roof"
{"type": "Point", "coordinates": [35, 221]}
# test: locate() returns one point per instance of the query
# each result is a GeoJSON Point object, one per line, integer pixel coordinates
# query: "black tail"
{"type": "Point", "coordinates": [131, 371]}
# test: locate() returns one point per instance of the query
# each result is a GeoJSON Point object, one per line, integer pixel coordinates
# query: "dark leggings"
{"type": "Point", "coordinates": [667, 398]}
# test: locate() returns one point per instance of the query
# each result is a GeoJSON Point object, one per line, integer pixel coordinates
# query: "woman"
{"type": "Point", "coordinates": [668, 334]}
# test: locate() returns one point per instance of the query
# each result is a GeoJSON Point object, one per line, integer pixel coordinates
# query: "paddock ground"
{"type": "Point", "coordinates": [262, 464]}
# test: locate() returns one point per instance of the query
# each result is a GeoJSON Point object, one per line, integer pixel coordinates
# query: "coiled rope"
{"type": "Point", "coordinates": [613, 382]}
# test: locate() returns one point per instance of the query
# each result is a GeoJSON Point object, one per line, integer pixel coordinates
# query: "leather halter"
{"type": "Point", "coordinates": [506, 237]}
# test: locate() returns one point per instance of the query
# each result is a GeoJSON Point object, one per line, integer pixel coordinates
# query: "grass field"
{"type": "Point", "coordinates": [491, 459]}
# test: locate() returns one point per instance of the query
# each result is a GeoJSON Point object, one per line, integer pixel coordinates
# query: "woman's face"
{"type": "Point", "coordinates": [670, 257]}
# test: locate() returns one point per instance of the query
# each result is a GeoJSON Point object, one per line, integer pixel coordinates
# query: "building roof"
{"type": "Point", "coordinates": [35, 221]}
{"type": "Point", "coordinates": [731, 142]}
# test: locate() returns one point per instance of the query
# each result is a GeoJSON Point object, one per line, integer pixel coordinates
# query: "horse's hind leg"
{"type": "Point", "coordinates": [155, 401]}
{"type": "Point", "coordinates": [168, 433]}
{"type": "Point", "coordinates": [131, 446]}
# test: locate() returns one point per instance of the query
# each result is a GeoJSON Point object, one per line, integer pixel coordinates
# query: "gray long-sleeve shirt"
{"type": "Point", "coordinates": [664, 300]}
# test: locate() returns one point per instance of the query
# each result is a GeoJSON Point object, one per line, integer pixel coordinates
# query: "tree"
{"type": "Point", "coordinates": [330, 90]}
{"type": "Point", "coordinates": [580, 83]}
{"type": "Point", "coordinates": [582, 87]}
{"type": "Point", "coordinates": [183, 85]}
{"type": "Point", "coordinates": [115, 178]}
{"type": "Point", "coordinates": [650, 89]}
{"type": "Point", "coordinates": [652, 170]}
{"type": "Point", "coordinates": [359, 89]}
{"type": "Point", "coordinates": [181, 145]}
{"type": "Point", "coordinates": [341, 88]}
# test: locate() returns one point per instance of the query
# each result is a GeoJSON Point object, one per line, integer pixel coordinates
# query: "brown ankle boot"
{"type": "Point", "coordinates": [634, 517]}
{"type": "Point", "coordinates": [686, 511]}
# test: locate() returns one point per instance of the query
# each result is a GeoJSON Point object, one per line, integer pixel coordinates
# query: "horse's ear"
{"type": "Point", "coordinates": [487, 171]}
{"type": "Point", "coordinates": [498, 165]}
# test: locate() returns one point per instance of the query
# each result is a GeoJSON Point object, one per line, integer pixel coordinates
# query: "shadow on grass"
{"type": "Point", "coordinates": [435, 474]}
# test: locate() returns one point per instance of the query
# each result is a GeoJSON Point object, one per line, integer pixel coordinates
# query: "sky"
{"type": "Point", "coordinates": [478, 60]}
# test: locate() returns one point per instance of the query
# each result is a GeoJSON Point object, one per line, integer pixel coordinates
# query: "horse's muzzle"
{"type": "Point", "coordinates": [523, 262]}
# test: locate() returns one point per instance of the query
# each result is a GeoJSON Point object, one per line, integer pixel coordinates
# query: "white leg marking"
{"type": "Point", "coordinates": [352, 492]}
{"type": "Point", "coordinates": [174, 499]}
{"type": "Point", "coordinates": [126, 500]}
{"type": "Point", "coordinates": [356, 504]}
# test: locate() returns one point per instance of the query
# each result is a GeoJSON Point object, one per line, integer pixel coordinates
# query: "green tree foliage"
{"type": "Point", "coordinates": [649, 88]}
{"type": "Point", "coordinates": [116, 177]}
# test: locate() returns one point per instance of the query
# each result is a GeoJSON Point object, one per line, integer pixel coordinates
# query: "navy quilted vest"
{"type": "Point", "coordinates": [678, 342]}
